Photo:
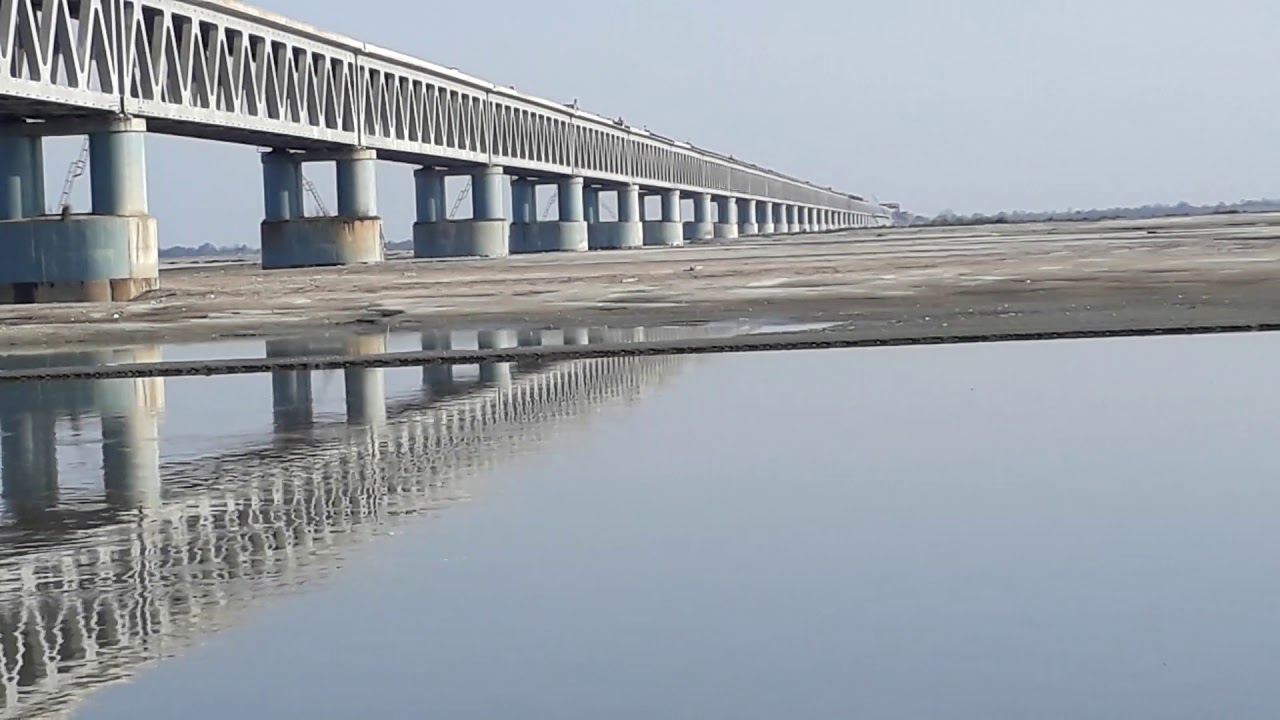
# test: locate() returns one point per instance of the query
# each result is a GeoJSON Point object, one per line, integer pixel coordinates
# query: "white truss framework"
{"type": "Point", "coordinates": [224, 70]}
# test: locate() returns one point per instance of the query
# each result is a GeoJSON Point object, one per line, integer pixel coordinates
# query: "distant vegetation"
{"type": "Point", "coordinates": [1182, 209]}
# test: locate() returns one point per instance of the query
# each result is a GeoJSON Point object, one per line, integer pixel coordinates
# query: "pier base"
{"type": "Point", "coordinates": [461, 238]}
{"type": "Point", "coordinates": [321, 242]}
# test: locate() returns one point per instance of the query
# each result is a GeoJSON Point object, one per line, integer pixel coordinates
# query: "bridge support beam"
{"type": "Point", "coordinates": [726, 226]}
{"type": "Point", "coordinates": [111, 254]}
{"type": "Point", "coordinates": [292, 240]}
{"type": "Point", "coordinates": [486, 234]}
{"type": "Point", "coordinates": [627, 231]}
{"type": "Point", "coordinates": [764, 217]}
{"type": "Point", "coordinates": [702, 227]}
{"type": "Point", "coordinates": [667, 232]}
{"type": "Point", "coordinates": [747, 222]}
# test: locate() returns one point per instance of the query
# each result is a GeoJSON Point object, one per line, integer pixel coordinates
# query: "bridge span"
{"type": "Point", "coordinates": [115, 70]}
{"type": "Point", "coordinates": [91, 591]}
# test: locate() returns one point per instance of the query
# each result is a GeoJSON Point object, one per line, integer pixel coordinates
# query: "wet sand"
{"type": "Point", "coordinates": [1045, 278]}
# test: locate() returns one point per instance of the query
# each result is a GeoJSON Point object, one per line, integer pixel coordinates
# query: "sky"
{"type": "Point", "coordinates": [969, 107]}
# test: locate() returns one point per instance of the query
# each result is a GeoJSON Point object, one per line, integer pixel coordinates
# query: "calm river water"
{"type": "Point", "coordinates": [1040, 530]}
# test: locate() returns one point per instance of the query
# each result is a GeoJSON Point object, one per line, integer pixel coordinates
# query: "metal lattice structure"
{"type": "Point", "coordinates": [257, 524]}
{"type": "Point", "coordinates": [227, 71]}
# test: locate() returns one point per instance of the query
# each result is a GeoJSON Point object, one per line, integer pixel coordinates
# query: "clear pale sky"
{"type": "Point", "coordinates": [973, 106]}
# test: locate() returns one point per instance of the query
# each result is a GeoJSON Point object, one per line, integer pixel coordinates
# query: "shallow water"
{"type": "Point", "coordinates": [1063, 530]}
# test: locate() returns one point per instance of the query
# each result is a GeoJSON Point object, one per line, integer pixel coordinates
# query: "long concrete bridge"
{"type": "Point", "coordinates": [115, 70]}
{"type": "Point", "coordinates": [90, 593]}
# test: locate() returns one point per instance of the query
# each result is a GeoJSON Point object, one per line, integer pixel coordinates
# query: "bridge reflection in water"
{"type": "Point", "coordinates": [170, 552]}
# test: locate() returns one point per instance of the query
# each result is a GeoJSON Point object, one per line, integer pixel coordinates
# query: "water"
{"type": "Point", "coordinates": [1061, 530]}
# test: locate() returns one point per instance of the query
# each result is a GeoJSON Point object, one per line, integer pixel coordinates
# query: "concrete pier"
{"type": "Point", "coordinates": [292, 398]}
{"type": "Point", "coordinates": [569, 233]}
{"type": "Point", "coordinates": [747, 221]}
{"type": "Point", "coordinates": [28, 459]}
{"type": "Point", "coordinates": [131, 411]}
{"type": "Point", "coordinates": [290, 239]}
{"type": "Point", "coordinates": [437, 379]}
{"type": "Point", "coordinates": [524, 216]}
{"type": "Point", "coordinates": [108, 255]}
{"type": "Point", "coordinates": [726, 226]}
{"type": "Point", "coordinates": [496, 374]}
{"type": "Point", "coordinates": [782, 219]}
{"type": "Point", "coordinates": [764, 218]}
{"type": "Point", "coordinates": [667, 232]}
{"type": "Point", "coordinates": [702, 227]}
{"type": "Point", "coordinates": [486, 234]}
{"type": "Point", "coordinates": [365, 388]}
{"type": "Point", "coordinates": [627, 232]}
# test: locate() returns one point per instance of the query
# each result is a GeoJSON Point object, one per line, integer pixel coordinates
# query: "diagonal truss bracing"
{"type": "Point", "coordinates": [229, 71]}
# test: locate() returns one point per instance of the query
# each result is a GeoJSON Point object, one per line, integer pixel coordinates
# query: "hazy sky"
{"type": "Point", "coordinates": [974, 106]}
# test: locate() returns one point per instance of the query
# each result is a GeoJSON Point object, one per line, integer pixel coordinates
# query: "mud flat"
{"type": "Point", "coordinates": [1044, 278]}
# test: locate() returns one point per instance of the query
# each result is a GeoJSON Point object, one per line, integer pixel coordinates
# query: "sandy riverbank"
{"type": "Point", "coordinates": [1039, 278]}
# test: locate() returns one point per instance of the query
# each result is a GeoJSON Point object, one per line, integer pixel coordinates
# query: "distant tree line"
{"type": "Point", "coordinates": [1182, 209]}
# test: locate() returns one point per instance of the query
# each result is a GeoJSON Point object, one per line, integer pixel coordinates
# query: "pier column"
{"type": "Point", "coordinates": [667, 232]}
{"type": "Point", "coordinates": [437, 379]}
{"type": "Point", "coordinates": [702, 227]}
{"type": "Point", "coordinates": [496, 374]}
{"type": "Point", "coordinates": [28, 460]}
{"type": "Point", "coordinates": [569, 233]}
{"type": "Point", "coordinates": [596, 231]}
{"type": "Point", "coordinates": [781, 225]}
{"type": "Point", "coordinates": [292, 240]}
{"type": "Point", "coordinates": [110, 254]}
{"type": "Point", "coordinates": [726, 226]}
{"type": "Point", "coordinates": [130, 411]}
{"type": "Point", "coordinates": [747, 222]}
{"type": "Point", "coordinates": [627, 231]}
{"type": "Point", "coordinates": [630, 230]}
{"type": "Point", "coordinates": [21, 175]}
{"type": "Point", "coordinates": [292, 400]}
{"type": "Point", "coordinates": [765, 214]}
{"type": "Point", "coordinates": [524, 216]}
{"type": "Point", "coordinates": [366, 389]}
{"type": "Point", "coordinates": [486, 234]}
{"type": "Point", "coordinates": [793, 219]}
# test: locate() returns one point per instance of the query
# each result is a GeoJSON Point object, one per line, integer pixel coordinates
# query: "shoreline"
{"type": "Point", "coordinates": [884, 284]}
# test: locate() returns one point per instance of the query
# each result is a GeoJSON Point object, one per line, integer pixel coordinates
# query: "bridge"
{"type": "Point", "coordinates": [115, 70]}
{"type": "Point", "coordinates": [91, 591]}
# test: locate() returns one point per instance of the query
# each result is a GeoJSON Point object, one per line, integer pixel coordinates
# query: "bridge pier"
{"type": "Point", "coordinates": [628, 232]}
{"type": "Point", "coordinates": [292, 400]}
{"type": "Point", "coordinates": [764, 218]}
{"type": "Point", "coordinates": [747, 221]}
{"type": "Point", "coordinates": [365, 388]}
{"type": "Point", "coordinates": [667, 232]}
{"type": "Point", "coordinates": [524, 216]}
{"type": "Point", "coordinates": [437, 378]}
{"type": "Point", "coordinates": [781, 225]}
{"type": "Point", "coordinates": [28, 460]}
{"type": "Point", "coordinates": [496, 374]}
{"type": "Point", "coordinates": [110, 254]}
{"type": "Point", "coordinates": [130, 411]}
{"type": "Point", "coordinates": [702, 227]}
{"type": "Point", "coordinates": [486, 234]}
{"type": "Point", "coordinates": [290, 239]}
{"type": "Point", "coordinates": [569, 233]}
{"type": "Point", "coordinates": [726, 226]}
